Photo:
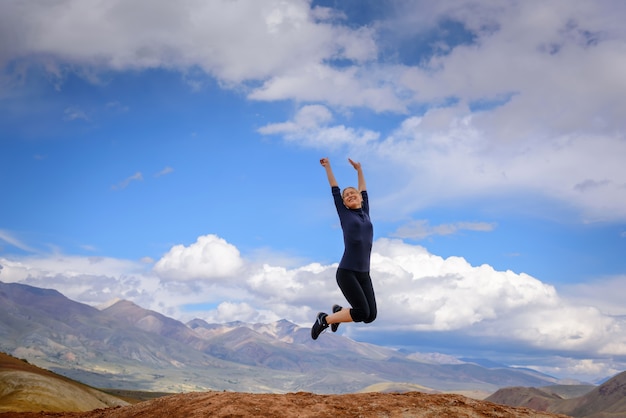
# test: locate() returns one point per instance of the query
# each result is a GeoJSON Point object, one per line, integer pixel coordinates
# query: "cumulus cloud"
{"type": "Point", "coordinates": [351, 87]}
{"type": "Point", "coordinates": [605, 293]}
{"type": "Point", "coordinates": [310, 126]}
{"type": "Point", "coordinates": [280, 37]}
{"type": "Point", "coordinates": [307, 118]}
{"type": "Point", "coordinates": [432, 293]}
{"type": "Point", "coordinates": [209, 258]}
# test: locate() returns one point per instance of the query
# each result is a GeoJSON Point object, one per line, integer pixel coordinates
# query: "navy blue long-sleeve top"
{"type": "Point", "coordinates": [358, 233]}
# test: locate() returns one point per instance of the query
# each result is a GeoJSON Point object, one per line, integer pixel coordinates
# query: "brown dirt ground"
{"type": "Point", "coordinates": [303, 405]}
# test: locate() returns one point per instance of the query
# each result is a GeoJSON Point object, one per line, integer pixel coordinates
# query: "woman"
{"type": "Point", "coordinates": [353, 275]}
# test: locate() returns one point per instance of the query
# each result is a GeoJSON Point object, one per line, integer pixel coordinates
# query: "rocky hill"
{"type": "Point", "coordinates": [24, 387]}
{"type": "Point", "coordinates": [605, 401]}
{"type": "Point", "coordinates": [306, 405]}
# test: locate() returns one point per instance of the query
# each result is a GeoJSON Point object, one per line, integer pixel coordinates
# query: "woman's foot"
{"type": "Point", "coordinates": [333, 327]}
{"type": "Point", "coordinates": [319, 326]}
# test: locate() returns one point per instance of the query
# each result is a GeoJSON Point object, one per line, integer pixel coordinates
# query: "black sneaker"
{"type": "Point", "coordinates": [319, 326]}
{"type": "Point", "coordinates": [333, 327]}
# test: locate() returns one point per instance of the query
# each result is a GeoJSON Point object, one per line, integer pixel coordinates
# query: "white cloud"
{"type": "Point", "coordinates": [91, 280]}
{"type": "Point", "coordinates": [230, 312]}
{"type": "Point", "coordinates": [280, 37]}
{"type": "Point", "coordinates": [350, 87]}
{"type": "Point", "coordinates": [209, 258]}
{"type": "Point", "coordinates": [421, 229]}
{"type": "Point", "coordinates": [459, 161]}
{"type": "Point", "coordinates": [554, 130]}
{"type": "Point", "coordinates": [73, 113]}
{"type": "Point", "coordinates": [287, 46]}
{"type": "Point", "coordinates": [550, 73]}
{"type": "Point", "coordinates": [124, 183]}
{"type": "Point", "coordinates": [167, 170]}
{"type": "Point", "coordinates": [303, 286]}
{"type": "Point", "coordinates": [116, 106]}
{"type": "Point", "coordinates": [432, 293]}
{"type": "Point", "coordinates": [307, 118]}
{"type": "Point", "coordinates": [68, 266]}
{"type": "Point", "coordinates": [310, 126]}
{"type": "Point", "coordinates": [11, 239]}
{"type": "Point", "coordinates": [562, 127]}
{"type": "Point", "coordinates": [446, 156]}
{"type": "Point", "coordinates": [563, 62]}
{"type": "Point", "coordinates": [604, 293]}
{"type": "Point", "coordinates": [585, 369]}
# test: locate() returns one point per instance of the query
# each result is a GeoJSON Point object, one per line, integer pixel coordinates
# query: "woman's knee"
{"type": "Point", "coordinates": [360, 314]}
{"type": "Point", "coordinates": [370, 318]}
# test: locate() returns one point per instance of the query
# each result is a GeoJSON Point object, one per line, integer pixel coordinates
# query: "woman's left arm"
{"type": "Point", "coordinates": [360, 177]}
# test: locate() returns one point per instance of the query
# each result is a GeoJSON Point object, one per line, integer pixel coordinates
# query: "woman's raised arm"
{"type": "Point", "coordinates": [361, 178]}
{"type": "Point", "coordinates": [325, 162]}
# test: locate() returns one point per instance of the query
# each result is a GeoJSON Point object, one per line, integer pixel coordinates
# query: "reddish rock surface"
{"type": "Point", "coordinates": [304, 405]}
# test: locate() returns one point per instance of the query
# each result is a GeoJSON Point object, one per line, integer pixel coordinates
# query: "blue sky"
{"type": "Point", "coordinates": [169, 154]}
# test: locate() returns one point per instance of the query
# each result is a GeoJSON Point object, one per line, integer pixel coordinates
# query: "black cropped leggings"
{"type": "Point", "coordinates": [357, 288]}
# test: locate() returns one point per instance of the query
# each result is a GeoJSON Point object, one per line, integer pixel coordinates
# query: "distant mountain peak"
{"type": "Point", "coordinates": [108, 304]}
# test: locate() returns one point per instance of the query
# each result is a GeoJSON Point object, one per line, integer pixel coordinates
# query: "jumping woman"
{"type": "Point", "coordinates": [353, 274]}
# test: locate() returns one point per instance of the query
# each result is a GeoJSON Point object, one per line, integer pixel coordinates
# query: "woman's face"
{"type": "Point", "coordinates": [352, 198]}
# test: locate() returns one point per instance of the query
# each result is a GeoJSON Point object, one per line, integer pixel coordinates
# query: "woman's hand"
{"type": "Point", "coordinates": [325, 162]}
{"type": "Point", "coordinates": [356, 165]}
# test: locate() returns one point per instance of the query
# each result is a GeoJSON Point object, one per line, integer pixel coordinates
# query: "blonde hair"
{"type": "Point", "coordinates": [343, 192]}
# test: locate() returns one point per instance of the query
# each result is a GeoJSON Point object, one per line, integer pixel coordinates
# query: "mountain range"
{"type": "Point", "coordinates": [124, 346]}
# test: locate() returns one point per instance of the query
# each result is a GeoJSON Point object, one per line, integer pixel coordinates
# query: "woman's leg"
{"type": "Point", "coordinates": [341, 316]}
{"type": "Point", "coordinates": [352, 289]}
{"type": "Point", "coordinates": [368, 289]}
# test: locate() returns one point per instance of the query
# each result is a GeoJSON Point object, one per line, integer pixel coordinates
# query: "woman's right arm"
{"type": "Point", "coordinates": [329, 172]}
